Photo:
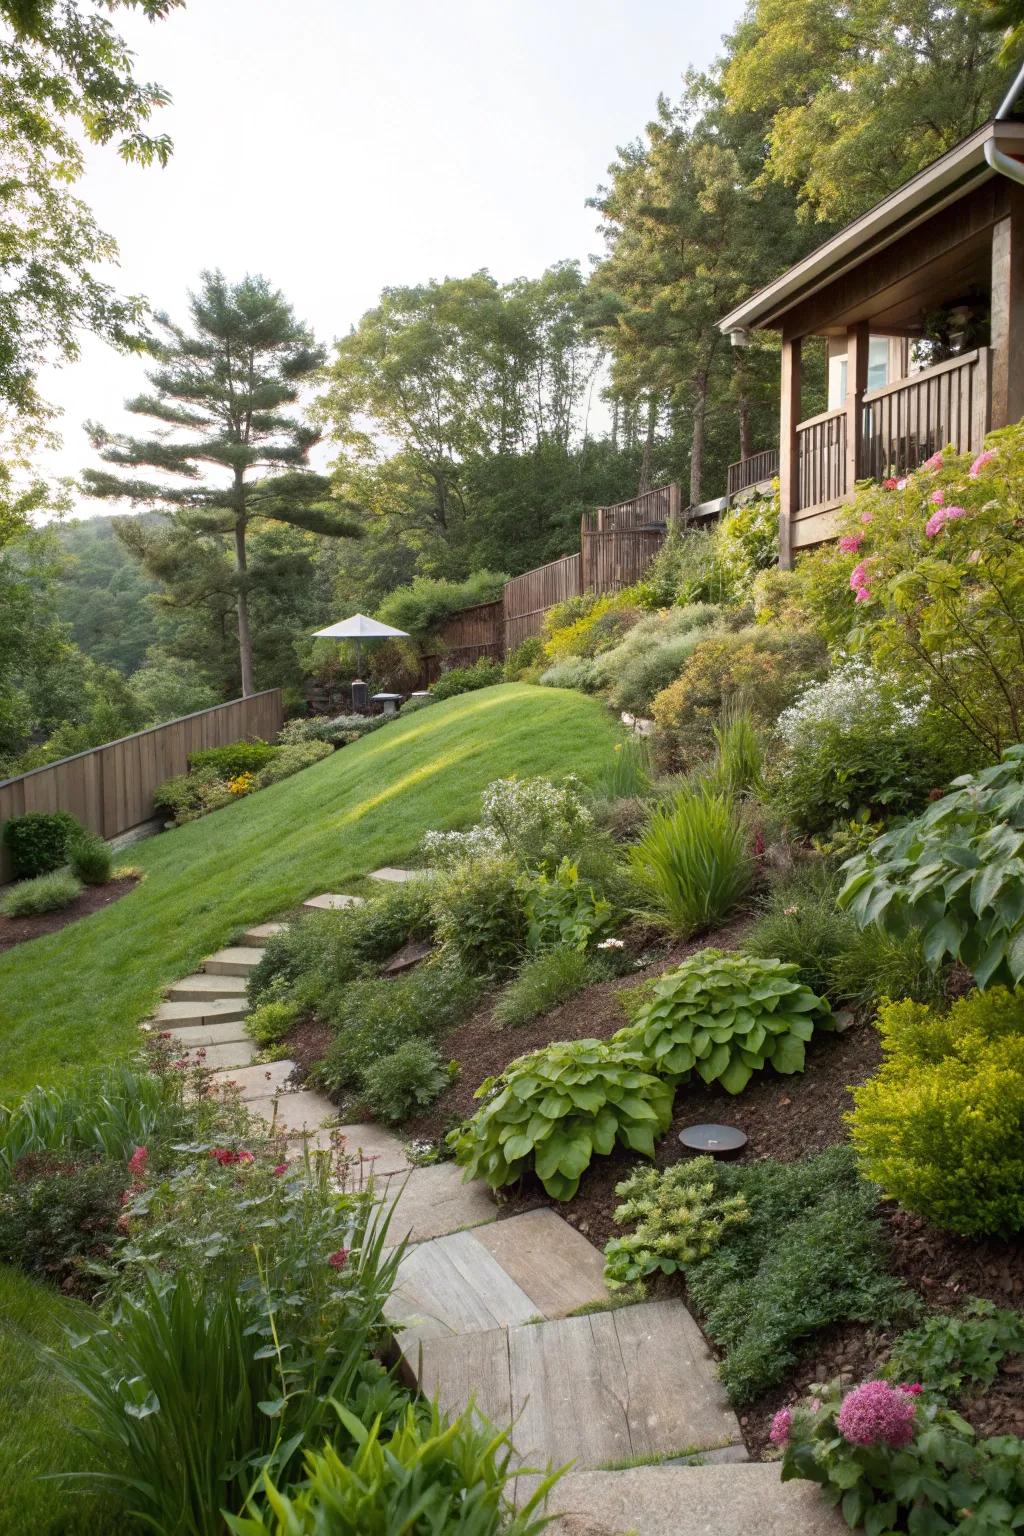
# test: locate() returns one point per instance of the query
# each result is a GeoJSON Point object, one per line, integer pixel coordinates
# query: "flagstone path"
{"type": "Point", "coordinates": [514, 1315]}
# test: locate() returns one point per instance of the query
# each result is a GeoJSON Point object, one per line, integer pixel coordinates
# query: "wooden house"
{"type": "Point", "coordinates": [921, 304]}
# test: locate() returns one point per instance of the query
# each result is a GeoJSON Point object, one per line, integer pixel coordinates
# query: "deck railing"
{"type": "Point", "coordinates": [821, 460]}
{"type": "Point", "coordinates": [752, 471]}
{"type": "Point", "coordinates": [908, 421]}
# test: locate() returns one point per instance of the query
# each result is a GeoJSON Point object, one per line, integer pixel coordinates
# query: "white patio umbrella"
{"type": "Point", "coordinates": [360, 628]}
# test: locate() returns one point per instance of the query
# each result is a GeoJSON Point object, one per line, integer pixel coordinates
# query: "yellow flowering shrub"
{"type": "Point", "coordinates": [243, 784]}
{"type": "Point", "coordinates": [938, 1127]}
{"type": "Point", "coordinates": [584, 626]}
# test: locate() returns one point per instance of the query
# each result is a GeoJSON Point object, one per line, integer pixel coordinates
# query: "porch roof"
{"type": "Point", "coordinates": [953, 176]}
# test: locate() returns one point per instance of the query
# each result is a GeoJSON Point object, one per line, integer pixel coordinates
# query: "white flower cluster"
{"type": "Point", "coordinates": [854, 693]}
{"type": "Point", "coordinates": [446, 849]}
{"type": "Point", "coordinates": [519, 816]}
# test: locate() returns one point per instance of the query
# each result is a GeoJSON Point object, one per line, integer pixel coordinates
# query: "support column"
{"type": "Point", "coordinates": [1008, 312]}
{"type": "Point", "coordinates": [858, 338]}
{"type": "Point", "coordinates": [789, 468]}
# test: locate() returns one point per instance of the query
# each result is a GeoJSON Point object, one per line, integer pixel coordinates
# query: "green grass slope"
{"type": "Point", "coordinates": [75, 998]}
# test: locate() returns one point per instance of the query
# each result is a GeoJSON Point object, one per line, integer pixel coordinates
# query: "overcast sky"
{"type": "Point", "coordinates": [339, 146]}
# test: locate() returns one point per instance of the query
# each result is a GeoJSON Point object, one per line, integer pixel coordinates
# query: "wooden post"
{"type": "Point", "coordinates": [1008, 313]}
{"type": "Point", "coordinates": [789, 469]}
{"type": "Point", "coordinates": [858, 339]}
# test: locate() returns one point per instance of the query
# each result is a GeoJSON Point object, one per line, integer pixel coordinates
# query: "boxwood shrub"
{"type": "Point", "coordinates": [37, 842]}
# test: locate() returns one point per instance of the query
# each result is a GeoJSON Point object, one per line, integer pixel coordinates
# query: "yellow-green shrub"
{"type": "Point", "coordinates": [604, 622]}
{"type": "Point", "coordinates": [938, 1127]}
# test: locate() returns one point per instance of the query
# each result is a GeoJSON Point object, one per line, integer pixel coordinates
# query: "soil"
{"type": "Point", "coordinates": [19, 930]}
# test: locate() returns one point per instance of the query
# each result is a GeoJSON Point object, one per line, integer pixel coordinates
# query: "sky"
{"type": "Point", "coordinates": [342, 146]}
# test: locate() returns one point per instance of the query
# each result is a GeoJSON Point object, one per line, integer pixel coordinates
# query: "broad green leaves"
{"type": "Point", "coordinates": [956, 873]}
{"type": "Point", "coordinates": [726, 1017]}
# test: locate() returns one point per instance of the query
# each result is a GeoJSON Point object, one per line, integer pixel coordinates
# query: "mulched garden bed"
{"type": "Point", "coordinates": [18, 930]}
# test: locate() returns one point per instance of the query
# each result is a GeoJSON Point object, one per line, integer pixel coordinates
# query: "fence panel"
{"type": "Point", "coordinates": [528, 597]}
{"type": "Point", "coordinates": [110, 789]}
{"type": "Point", "coordinates": [466, 636]}
{"type": "Point", "coordinates": [656, 507]}
{"type": "Point", "coordinates": [612, 560]}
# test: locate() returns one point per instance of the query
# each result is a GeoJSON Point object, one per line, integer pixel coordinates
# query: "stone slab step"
{"type": "Point", "coordinates": [205, 989]}
{"type": "Point", "coordinates": [515, 1271]}
{"type": "Point", "coordinates": [333, 901]}
{"type": "Point", "coordinates": [399, 876]}
{"type": "Point", "coordinates": [714, 1500]}
{"type": "Point", "coordinates": [262, 932]}
{"type": "Point", "coordinates": [236, 1053]}
{"type": "Point", "coordinates": [190, 1035]}
{"type": "Point", "coordinates": [260, 1081]}
{"type": "Point", "coordinates": [291, 1113]}
{"type": "Point", "coordinates": [434, 1201]}
{"type": "Point", "coordinates": [236, 960]}
{"type": "Point", "coordinates": [609, 1386]}
{"type": "Point", "coordinates": [219, 1010]}
{"type": "Point", "coordinates": [408, 957]}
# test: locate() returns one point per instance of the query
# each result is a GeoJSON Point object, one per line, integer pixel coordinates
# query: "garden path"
{"type": "Point", "coordinates": [514, 1315]}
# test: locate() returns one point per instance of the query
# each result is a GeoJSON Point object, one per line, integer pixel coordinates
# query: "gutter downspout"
{"type": "Point", "coordinates": [1003, 164]}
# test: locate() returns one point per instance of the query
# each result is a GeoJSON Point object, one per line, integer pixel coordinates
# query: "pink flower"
{"type": "Point", "coordinates": [281, 1168]}
{"type": "Point", "coordinates": [863, 595]}
{"type": "Point", "coordinates": [914, 1388]}
{"type": "Point", "coordinates": [890, 484]}
{"type": "Point", "coordinates": [901, 484]}
{"type": "Point", "coordinates": [338, 1259]}
{"type": "Point", "coordinates": [980, 462]}
{"type": "Point", "coordinates": [781, 1426]}
{"type": "Point", "coordinates": [937, 498]}
{"type": "Point", "coordinates": [877, 1413]}
{"type": "Point", "coordinates": [223, 1155]}
{"type": "Point", "coordinates": [940, 518]}
{"type": "Point", "coordinates": [859, 576]}
{"type": "Point", "coordinates": [138, 1160]}
{"type": "Point", "coordinates": [935, 462]}
{"type": "Point", "coordinates": [244, 1157]}
{"type": "Point", "coordinates": [867, 517]}
{"type": "Point", "coordinates": [850, 543]}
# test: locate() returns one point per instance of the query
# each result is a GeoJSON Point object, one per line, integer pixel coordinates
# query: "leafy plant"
{"type": "Point", "coordinates": [270, 1022]}
{"type": "Point", "coordinates": [938, 1125]}
{"type": "Point", "coordinates": [432, 1474]}
{"type": "Point", "coordinates": [522, 658]}
{"type": "Point", "coordinates": [484, 674]}
{"type": "Point", "coordinates": [37, 842]}
{"type": "Point", "coordinates": [726, 1017]}
{"type": "Point", "coordinates": [540, 984]}
{"type": "Point", "coordinates": [57, 1217]}
{"type": "Point", "coordinates": [410, 1078]}
{"type": "Point", "coordinates": [478, 914]}
{"type": "Point", "coordinates": [553, 1109]}
{"type": "Point", "coordinates": [955, 873]}
{"type": "Point", "coordinates": [561, 910]}
{"type": "Point", "coordinates": [739, 759]}
{"type": "Point", "coordinates": [289, 760]}
{"type": "Point", "coordinates": [691, 864]}
{"type": "Point", "coordinates": [628, 772]}
{"type": "Point", "coordinates": [956, 1354]}
{"type": "Point", "coordinates": [46, 893]}
{"type": "Point", "coordinates": [235, 758]}
{"type": "Point", "coordinates": [678, 1218]}
{"type": "Point", "coordinates": [90, 858]}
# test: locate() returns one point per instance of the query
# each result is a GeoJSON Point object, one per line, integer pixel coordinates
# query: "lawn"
{"type": "Point", "coordinates": [75, 997]}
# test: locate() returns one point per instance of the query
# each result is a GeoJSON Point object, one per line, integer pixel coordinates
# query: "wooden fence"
{"type": "Point", "coordinates": [652, 510]}
{"type": "Point", "coordinates": [528, 597]}
{"type": "Point", "coordinates": [110, 789]}
{"type": "Point", "coordinates": [613, 560]}
{"type": "Point", "coordinates": [475, 632]}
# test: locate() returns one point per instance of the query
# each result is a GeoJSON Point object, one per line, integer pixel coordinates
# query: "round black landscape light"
{"type": "Point", "coordinates": [714, 1140]}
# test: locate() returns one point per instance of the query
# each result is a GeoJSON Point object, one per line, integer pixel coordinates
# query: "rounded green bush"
{"type": "Point", "coordinates": [37, 842]}
{"type": "Point", "coordinates": [90, 858]}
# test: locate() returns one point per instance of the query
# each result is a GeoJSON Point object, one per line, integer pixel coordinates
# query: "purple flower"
{"type": "Point", "coordinates": [876, 1413]}
{"type": "Point", "coordinates": [940, 518]}
{"type": "Point", "coordinates": [781, 1426]}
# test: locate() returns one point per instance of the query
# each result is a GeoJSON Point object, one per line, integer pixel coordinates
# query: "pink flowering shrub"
{"type": "Point", "coordinates": [877, 1413]}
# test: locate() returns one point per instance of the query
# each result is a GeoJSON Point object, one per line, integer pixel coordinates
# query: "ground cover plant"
{"type": "Point", "coordinates": [956, 1354]}
{"type": "Point", "coordinates": [677, 1216]}
{"type": "Point", "coordinates": [366, 806]}
{"type": "Point", "coordinates": [44, 893]}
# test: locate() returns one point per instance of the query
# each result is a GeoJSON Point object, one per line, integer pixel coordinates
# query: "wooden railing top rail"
{"type": "Point", "coordinates": [820, 419]}
{"type": "Point", "coordinates": [967, 359]}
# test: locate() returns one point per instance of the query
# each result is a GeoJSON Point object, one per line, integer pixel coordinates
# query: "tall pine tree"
{"type": "Point", "coordinates": [220, 392]}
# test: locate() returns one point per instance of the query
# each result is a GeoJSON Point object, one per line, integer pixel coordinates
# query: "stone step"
{"type": "Point", "coordinates": [605, 1387]}
{"type": "Point", "coordinates": [220, 1010]}
{"type": "Point", "coordinates": [236, 960]}
{"type": "Point", "coordinates": [434, 1201]}
{"type": "Point", "coordinates": [399, 876]}
{"type": "Point", "coordinates": [262, 932]}
{"type": "Point", "coordinates": [494, 1276]}
{"type": "Point", "coordinates": [205, 989]}
{"type": "Point", "coordinates": [257, 1082]}
{"type": "Point", "coordinates": [291, 1113]}
{"type": "Point", "coordinates": [333, 901]}
{"type": "Point", "coordinates": [711, 1500]}
{"type": "Point", "coordinates": [190, 1035]}
{"type": "Point", "coordinates": [237, 1053]}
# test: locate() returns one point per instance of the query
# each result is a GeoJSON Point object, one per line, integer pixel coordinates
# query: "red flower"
{"type": "Point", "coordinates": [244, 1157]}
{"type": "Point", "coordinates": [138, 1160]}
{"type": "Point", "coordinates": [223, 1155]}
{"type": "Point", "coordinates": [281, 1168]}
{"type": "Point", "coordinates": [338, 1259]}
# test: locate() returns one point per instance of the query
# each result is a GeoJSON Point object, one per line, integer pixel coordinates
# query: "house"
{"type": "Point", "coordinates": [921, 305]}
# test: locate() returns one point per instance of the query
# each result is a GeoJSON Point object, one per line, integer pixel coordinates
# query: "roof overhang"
{"type": "Point", "coordinates": [958, 171]}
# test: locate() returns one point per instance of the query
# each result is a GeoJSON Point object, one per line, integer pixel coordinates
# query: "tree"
{"type": "Point", "coordinates": [860, 96]}
{"type": "Point", "coordinates": [219, 392]}
{"type": "Point", "coordinates": [65, 79]}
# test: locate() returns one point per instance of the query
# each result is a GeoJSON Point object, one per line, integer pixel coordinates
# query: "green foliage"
{"type": "Point", "coordinates": [746, 542]}
{"type": "Point", "coordinates": [942, 1479]}
{"type": "Point", "coordinates": [605, 620]}
{"type": "Point", "coordinates": [954, 873]}
{"type": "Point", "coordinates": [553, 1109]}
{"type": "Point", "coordinates": [397, 1085]}
{"type": "Point", "coordinates": [573, 672]}
{"type": "Point", "coordinates": [90, 858]}
{"type": "Point", "coordinates": [37, 842]}
{"type": "Point", "coordinates": [678, 1218]}
{"type": "Point", "coordinates": [484, 674]}
{"type": "Point", "coordinates": [230, 761]}
{"type": "Point", "coordinates": [58, 1218]}
{"type": "Point", "coordinates": [684, 570]}
{"type": "Point", "coordinates": [691, 865]}
{"type": "Point", "coordinates": [542, 982]}
{"type": "Point", "coordinates": [270, 1022]}
{"type": "Point", "coordinates": [651, 654]}
{"type": "Point", "coordinates": [809, 1256]}
{"type": "Point", "coordinates": [738, 763]}
{"type": "Point", "coordinates": [339, 730]}
{"type": "Point", "coordinates": [935, 1126]}
{"type": "Point", "coordinates": [957, 1354]}
{"type": "Point", "coordinates": [560, 910]}
{"type": "Point", "coordinates": [422, 607]}
{"type": "Point", "coordinates": [479, 915]}
{"type": "Point", "coordinates": [289, 760]}
{"type": "Point", "coordinates": [46, 893]}
{"type": "Point", "coordinates": [628, 773]}
{"type": "Point", "coordinates": [522, 658]}
{"type": "Point", "coordinates": [726, 1017]}
{"type": "Point", "coordinates": [431, 1474]}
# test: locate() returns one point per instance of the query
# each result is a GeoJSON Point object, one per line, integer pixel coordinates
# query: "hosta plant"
{"type": "Point", "coordinates": [677, 1218]}
{"type": "Point", "coordinates": [552, 1110]}
{"type": "Point", "coordinates": [956, 873]}
{"type": "Point", "coordinates": [726, 1017]}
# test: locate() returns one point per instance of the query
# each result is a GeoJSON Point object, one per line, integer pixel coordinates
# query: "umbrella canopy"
{"type": "Point", "coordinates": [359, 627]}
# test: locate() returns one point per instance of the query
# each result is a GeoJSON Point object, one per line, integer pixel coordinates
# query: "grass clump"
{"type": "Point", "coordinates": [541, 983]}
{"type": "Point", "coordinates": [46, 893]}
{"type": "Point", "coordinates": [691, 865]}
{"type": "Point", "coordinates": [90, 858]}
